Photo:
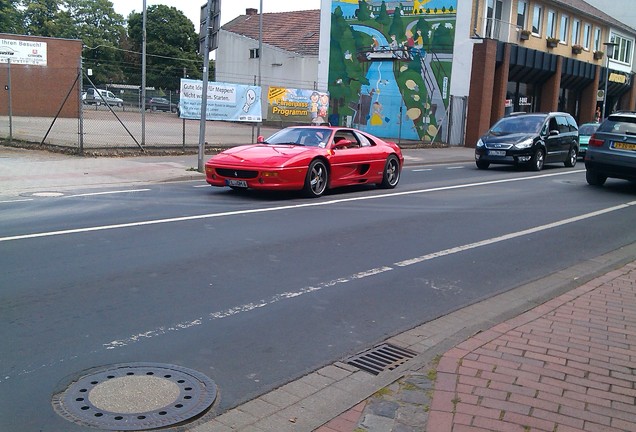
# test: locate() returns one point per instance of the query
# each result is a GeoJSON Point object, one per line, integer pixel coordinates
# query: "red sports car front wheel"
{"type": "Point", "coordinates": [317, 179]}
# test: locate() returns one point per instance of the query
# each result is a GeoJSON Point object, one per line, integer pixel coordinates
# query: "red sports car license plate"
{"type": "Point", "coordinates": [236, 183]}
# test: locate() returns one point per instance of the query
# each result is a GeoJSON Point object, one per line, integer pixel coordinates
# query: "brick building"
{"type": "Point", "coordinates": [43, 74]}
{"type": "Point", "coordinates": [550, 55]}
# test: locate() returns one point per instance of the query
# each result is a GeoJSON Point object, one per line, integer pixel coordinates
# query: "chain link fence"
{"type": "Point", "coordinates": [108, 119]}
{"type": "Point", "coordinates": [98, 119]}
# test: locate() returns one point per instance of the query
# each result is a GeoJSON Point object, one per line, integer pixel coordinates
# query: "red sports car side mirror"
{"type": "Point", "coordinates": [260, 139]}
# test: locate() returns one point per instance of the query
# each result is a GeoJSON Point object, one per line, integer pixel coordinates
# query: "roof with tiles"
{"type": "Point", "coordinates": [591, 11]}
{"type": "Point", "coordinates": [297, 32]}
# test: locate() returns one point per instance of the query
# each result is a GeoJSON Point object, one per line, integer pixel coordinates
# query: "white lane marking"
{"type": "Point", "coordinates": [455, 167]}
{"type": "Point", "coordinates": [423, 169]}
{"type": "Point", "coordinates": [272, 209]}
{"type": "Point", "coordinates": [202, 186]}
{"type": "Point", "coordinates": [184, 325]}
{"type": "Point", "coordinates": [16, 200]}
{"type": "Point", "coordinates": [107, 193]}
{"type": "Point", "coordinates": [505, 237]}
{"type": "Point", "coordinates": [340, 281]}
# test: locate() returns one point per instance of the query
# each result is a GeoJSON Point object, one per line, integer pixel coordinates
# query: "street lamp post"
{"type": "Point", "coordinates": [608, 46]}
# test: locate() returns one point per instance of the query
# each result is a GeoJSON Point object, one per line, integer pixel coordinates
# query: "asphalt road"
{"type": "Point", "coordinates": [256, 289]}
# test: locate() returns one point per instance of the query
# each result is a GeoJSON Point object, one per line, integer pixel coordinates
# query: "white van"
{"type": "Point", "coordinates": [92, 97]}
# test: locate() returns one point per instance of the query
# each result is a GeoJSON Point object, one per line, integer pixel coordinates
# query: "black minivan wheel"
{"type": "Point", "coordinates": [536, 162]}
{"type": "Point", "coordinates": [482, 164]}
{"type": "Point", "coordinates": [572, 156]}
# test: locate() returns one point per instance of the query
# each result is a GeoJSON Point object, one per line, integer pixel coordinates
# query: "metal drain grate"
{"type": "Point", "coordinates": [381, 358]}
{"type": "Point", "coordinates": [135, 396]}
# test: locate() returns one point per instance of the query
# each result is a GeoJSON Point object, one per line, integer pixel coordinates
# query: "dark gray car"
{"type": "Point", "coordinates": [611, 151]}
{"type": "Point", "coordinates": [530, 140]}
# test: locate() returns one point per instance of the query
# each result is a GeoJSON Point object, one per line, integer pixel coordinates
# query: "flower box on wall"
{"type": "Point", "coordinates": [577, 49]}
{"type": "Point", "coordinates": [524, 35]}
{"type": "Point", "coordinates": [598, 55]}
{"type": "Point", "coordinates": [552, 42]}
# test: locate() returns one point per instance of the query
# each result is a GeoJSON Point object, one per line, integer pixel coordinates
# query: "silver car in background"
{"type": "Point", "coordinates": [611, 151]}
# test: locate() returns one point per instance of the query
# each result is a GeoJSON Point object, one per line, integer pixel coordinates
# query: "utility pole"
{"type": "Point", "coordinates": [143, 77]}
{"type": "Point", "coordinates": [260, 57]}
{"type": "Point", "coordinates": [211, 27]}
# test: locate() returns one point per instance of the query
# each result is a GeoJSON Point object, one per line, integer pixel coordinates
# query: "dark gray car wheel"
{"type": "Point", "coordinates": [391, 175]}
{"type": "Point", "coordinates": [572, 157]}
{"type": "Point", "coordinates": [317, 179]}
{"type": "Point", "coordinates": [595, 179]}
{"type": "Point", "coordinates": [482, 164]}
{"type": "Point", "coordinates": [537, 160]}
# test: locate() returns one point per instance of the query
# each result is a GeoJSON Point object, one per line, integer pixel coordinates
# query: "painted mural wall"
{"type": "Point", "coordinates": [390, 66]}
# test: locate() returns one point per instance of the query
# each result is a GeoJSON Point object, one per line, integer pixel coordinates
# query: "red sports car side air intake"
{"type": "Point", "coordinates": [308, 158]}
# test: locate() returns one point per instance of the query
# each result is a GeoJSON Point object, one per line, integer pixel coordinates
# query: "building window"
{"type": "Point", "coordinates": [564, 28]}
{"type": "Point", "coordinates": [597, 39]}
{"type": "Point", "coordinates": [550, 31]}
{"type": "Point", "coordinates": [253, 53]}
{"type": "Point", "coordinates": [537, 19]}
{"type": "Point", "coordinates": [522, 11]}
{"type": "Point", "coordinates": [576, 30]}
{"type": "Point", "coordinates": [587, 34]}
{"type": "Point", "coordinates": [623, 51]}
{"type": "Point", "coordinates": [494, 10]}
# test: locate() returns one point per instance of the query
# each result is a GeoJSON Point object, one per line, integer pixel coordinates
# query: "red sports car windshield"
{"type": "Point", "coordinates": [313, 137]}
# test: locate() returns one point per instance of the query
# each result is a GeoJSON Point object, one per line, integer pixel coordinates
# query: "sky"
{"type": "Point", "coordinates": [230, 9]}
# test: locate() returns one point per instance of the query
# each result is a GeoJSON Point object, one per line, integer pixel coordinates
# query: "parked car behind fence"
{"type": "Point", "coordinates": [161, 104]}
{"type": "Point", "coordinates": [94, 96]}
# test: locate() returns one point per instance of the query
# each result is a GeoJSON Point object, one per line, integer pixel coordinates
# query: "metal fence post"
{"type": "Point", "coordinates": [10, 102]}
{"type": "Point", "coordinates": [81, 107]}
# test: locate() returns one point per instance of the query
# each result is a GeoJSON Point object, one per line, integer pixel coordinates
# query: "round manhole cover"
{"type": "Point", "coordinates": [136, 396]}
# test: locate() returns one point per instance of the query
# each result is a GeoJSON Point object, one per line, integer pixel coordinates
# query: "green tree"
{"type": "Point", "coordinates": [383, 17]}
{"type": "Point", "coordinates": [364, 14]}
{"type": "Point", "coordinates": [424, 26]}
{"type": "Point", "coordinates": [171, 46]}
{"type": "Point", "coordinates": [10, 17]}
{"type": "Point", "coordinates": [397, 25]}
{"type": "Point", "coordinates": [346, 75]}
{"type": "Point", "coordinates": [102, 32]}
{"type": "Point", "coordinates": [39, 17]}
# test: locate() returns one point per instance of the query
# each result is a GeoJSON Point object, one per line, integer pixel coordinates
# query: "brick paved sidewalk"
{"type": "Point", "coordinates": [567, 365]}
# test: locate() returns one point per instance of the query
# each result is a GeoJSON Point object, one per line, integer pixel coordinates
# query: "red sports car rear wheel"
{"type": "Point", "coordinates": [391, 175]}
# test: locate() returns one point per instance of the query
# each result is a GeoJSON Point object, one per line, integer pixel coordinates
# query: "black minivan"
{"type": "Point", "coordinates": [530, 139]}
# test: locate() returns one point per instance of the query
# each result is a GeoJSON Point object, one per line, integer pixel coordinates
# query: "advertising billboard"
{"type": "Point", "coordinates": [23, 52]}
{"type": "Point", "coordinates": [297, 105]}
{"type": "Point", "coordinates": [230, 102]}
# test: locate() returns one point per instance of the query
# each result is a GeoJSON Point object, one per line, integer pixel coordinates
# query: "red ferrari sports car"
{"type": "Point", "coordinates": [308, 158]}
